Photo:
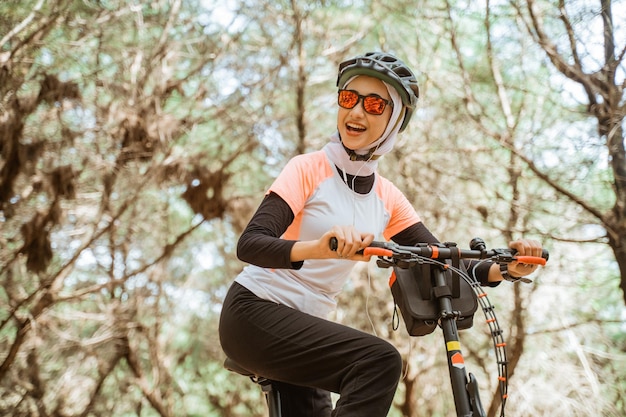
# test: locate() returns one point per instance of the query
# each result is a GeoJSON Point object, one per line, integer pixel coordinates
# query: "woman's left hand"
{"type": "Point", "coordinates": [524, 247]}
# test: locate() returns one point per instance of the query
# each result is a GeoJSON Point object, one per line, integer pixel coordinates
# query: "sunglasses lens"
{"type": "Point", "coordinates": [374, 105]}
{"type": "Point", "coordinates": [348, 99]}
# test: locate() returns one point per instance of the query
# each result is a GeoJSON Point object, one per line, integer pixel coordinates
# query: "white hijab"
{"type": "Point", "coordinates": [338, 155]}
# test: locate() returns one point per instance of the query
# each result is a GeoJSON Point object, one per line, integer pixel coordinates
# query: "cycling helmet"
{"type": "Point", "coordinates": [388, 68]}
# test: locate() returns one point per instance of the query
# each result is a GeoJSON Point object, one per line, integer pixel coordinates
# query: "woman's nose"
{"type": "Point", "coordinates": [359, 109]}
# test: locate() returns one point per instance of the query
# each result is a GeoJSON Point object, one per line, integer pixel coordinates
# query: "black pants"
{"type": "Point", "coordinates": [310, 357]}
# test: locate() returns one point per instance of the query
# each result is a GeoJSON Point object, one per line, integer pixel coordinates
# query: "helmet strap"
{"type": "Point", "coordinates": [369, 156]}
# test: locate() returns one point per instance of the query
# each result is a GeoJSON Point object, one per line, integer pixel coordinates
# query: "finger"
{"type": "Point", "coordinates": [353, 242]}
{"type": "Point", "coordinates": [366, 240]}
{"type": "Point", "coordinates": [537, 248]}
{"type": "Point", "coordinates": [526, 247]}
{"type": "Point", "coordinates": [345, 240]}
{"type": "Point", "coordinates": [341, 233]}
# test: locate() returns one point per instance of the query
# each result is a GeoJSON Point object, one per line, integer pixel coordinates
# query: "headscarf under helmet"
{"type": "Point", "coordinates": [403, 89]}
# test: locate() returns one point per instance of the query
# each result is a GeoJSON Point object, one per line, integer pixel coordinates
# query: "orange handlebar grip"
{"type": "Point", "coordinates": [536, 260]}
{"type": "Point", "coordinates": [372, 251]}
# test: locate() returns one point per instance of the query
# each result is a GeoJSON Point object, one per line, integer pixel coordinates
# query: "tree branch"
{"type": "Point", "coordinates": [22, 25]}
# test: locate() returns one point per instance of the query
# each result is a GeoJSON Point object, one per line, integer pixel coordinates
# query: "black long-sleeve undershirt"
{"type": "Point", "coordinates": [260, 243]}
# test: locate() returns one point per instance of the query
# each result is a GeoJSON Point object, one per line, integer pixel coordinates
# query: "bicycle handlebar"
{"type": "Point", "coordinates": [446, 251]}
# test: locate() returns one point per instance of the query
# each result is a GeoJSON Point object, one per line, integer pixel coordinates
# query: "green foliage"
{"type": "Point", "coordinates": [138, 137]}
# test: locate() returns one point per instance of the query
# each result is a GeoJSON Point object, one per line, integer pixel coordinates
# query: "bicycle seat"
{"type": "Point", "coordinates": [272, 394]}
{"type": "Point", "coordinates": [233, 366]}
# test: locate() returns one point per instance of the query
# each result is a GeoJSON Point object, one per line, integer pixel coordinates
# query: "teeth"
{"type": "Point", "coordinates": [355, 127]}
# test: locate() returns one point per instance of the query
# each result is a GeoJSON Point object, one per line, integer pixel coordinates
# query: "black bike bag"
{"type": "Point", "coordinates": [416, 296]}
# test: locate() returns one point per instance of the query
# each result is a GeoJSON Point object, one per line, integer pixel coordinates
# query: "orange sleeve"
{"type": "Point", "coordinates": [300, 177]}
{"type": "Point", "coordinates": [401, 211]}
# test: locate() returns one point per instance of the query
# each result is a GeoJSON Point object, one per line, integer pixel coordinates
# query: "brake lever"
{"type": "Point", "coordinates": [506, 257]}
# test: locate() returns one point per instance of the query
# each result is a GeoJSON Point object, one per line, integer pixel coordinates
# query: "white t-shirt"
{"type": "Point", "coordinates": [320, 199]}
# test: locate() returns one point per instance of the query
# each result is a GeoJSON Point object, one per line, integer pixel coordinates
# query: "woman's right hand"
{"type": "Point", "coordinates": [349, 242]}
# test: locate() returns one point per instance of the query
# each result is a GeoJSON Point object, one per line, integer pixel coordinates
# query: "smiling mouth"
{"type": "Point", "coordinates": [355, 128]}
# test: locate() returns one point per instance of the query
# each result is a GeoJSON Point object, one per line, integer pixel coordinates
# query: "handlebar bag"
{"type": "Point", "coordinates": [416, 296]}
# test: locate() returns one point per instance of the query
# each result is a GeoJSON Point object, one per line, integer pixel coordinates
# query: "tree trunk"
{"type": "Point", "coordinates": [619, 249]}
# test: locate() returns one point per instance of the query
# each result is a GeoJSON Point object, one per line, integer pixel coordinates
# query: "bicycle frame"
{"type": "Point", "coordinates": [464, 386]}
{"type": "Point", "coordinates": [464, 389]}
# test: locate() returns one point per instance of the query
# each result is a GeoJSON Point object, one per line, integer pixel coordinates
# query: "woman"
{"type": "Point", "coordinates": [273, 320]}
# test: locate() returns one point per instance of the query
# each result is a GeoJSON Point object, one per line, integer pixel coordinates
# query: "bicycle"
{"type": "Point", "coordinates": [432, 288]}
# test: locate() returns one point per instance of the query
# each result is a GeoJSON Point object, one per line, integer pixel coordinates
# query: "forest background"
{"type": "Point", "coordinates": [137, 138]}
